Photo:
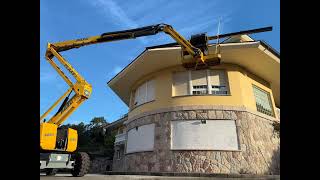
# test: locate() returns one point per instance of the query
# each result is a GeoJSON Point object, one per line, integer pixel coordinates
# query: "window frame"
{"type": "Point", "coordinates": [138, 128]}
{"type": "Point", "coordinates": [269, 100]}
{"type": "Point", "coordinates": [133, 93]}
{"type": "Point", "coordinates": [209, 88]}
{"type": "Point", "coordinates": [173, 147]}
{"type": "Point", "coordinates": [118, 155]}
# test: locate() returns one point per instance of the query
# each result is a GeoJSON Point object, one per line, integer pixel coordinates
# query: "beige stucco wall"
{"type": "Point", "coordinates": [240, 84]}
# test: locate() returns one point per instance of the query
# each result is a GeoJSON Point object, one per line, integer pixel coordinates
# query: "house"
{"type": "Point", "coordinates": [117, 128]}
{"type": "Point", "coordinates": [216, 120]}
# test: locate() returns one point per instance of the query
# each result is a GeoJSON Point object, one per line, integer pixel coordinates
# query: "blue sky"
{"type": "Point", "coordinates": [65, 20]}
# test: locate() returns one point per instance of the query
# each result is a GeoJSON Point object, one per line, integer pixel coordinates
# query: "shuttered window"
{"type": "Point", "coordinates": [180, 83]}
{"type": "Point", "coordinates": [141, 138]}
{"type": "Point", "coordinates": [263, 101]}
{"type": "Point", "coordinates": [150, 91]}
{"type": "Point", "coordinates": [218, 82]}
{"type": "Point", "coordinates": [200, 82]}
{"type": "Point", "coordinates": [144, 93]}
{"type": "Point", "coordinates": [213, 135]}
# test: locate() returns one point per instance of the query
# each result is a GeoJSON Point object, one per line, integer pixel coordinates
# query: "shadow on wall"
{"type": "Point", "coordinates": [274, 167]}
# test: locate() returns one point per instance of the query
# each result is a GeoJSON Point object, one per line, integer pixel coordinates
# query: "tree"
{"type": "Point", "coordinates": [92, 138]}
{"type": "Point", "coordinates": [109, 144]}
{"type": "Point", "coordinates": [97, 122]}
{"type": "Point", "coordinates": [96, 129]}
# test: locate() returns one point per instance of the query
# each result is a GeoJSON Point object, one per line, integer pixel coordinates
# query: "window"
{"type": "Point", "coordinates": [180, 83]}
{"type": "Point", "coordinates": [144, 93]}
{"type": "Point", "coordinates": [141, 138]}
{"type": "Point", "coordinates": [218, 82]}
{"type": "Point", "coordinates": [201, 89]}
{"type": "Point", "coordinates": [200, 82]}
{"type": "Point", "coordinates": [263, 101]}
{"type": "Point", "coordinates": [118, 156]}
{"type": "Point", "coordinates": [204, 135]}
{"type": "Point", "coordinates": [120, 130]}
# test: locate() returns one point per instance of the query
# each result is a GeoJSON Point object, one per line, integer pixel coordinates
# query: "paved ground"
{"type": "Point", "coordinates": [131, 177]}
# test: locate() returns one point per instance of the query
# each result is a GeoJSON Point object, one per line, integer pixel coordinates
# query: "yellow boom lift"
{"type": "Point", "coordinates": [58, 146]}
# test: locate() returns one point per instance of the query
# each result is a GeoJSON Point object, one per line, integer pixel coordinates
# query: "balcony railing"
{"type": "Point", "coordinates": [120, 138]}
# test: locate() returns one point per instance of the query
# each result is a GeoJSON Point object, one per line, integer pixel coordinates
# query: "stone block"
{"type": "Point", "coordinates": [202, 114]}
{"type": "Point", "coordinates": [219, 114]}
{"type": "Point", "coordinates": [218, 157]}
{"type": "Point", "coordinates": [192, 115]}
{"type": "Point", "coordinates": [233, 115]}
{"type": "Point", "coordinates": [215, 169]}
{"type": "Point", "coordinates": [212, 114]}
{"type": "Point", "coordinates": [224, 170]}
{"type": "Point", "coordinates": [188, 166]}
{"type": "Point", "coordinates": [197, 167]}
{"type": "Point", "coordinates": [243, 147]}
{"type": "Point", "coordinates": [193, 160]}
{"type": "Point", "coordinates": [180, 115]}
{"type": "Point", "coordinates": [206, 164]}
{"type": "Point", "coordinates": [179, 168]}
{"type": "Point", "coordinates": [214, 162]}
{"type": "Point", "coordinates": [226, 114]}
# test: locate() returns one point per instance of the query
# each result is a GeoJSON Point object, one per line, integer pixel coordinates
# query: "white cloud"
{"type": "Point", "coordinates": [129, 15]}
{"type": "Point", "coordinates": [112, 10]}
{"type": "Point", "coordinates": [110, 7]}
{"type": "Point", "coordinates": [116, 70]}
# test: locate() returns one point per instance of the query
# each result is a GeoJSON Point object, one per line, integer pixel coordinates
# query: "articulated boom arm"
{"type": "Point", "coordinates": [126, 34]}
{"type": "Point", "coordinates": [82, 88]}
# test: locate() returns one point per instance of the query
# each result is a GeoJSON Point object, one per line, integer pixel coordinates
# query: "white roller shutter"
{"type": "Point", "coordinates": [141, 139]}
{"type": "Point", "coordinates": [150, 90]}
{"type": "Point", "coordinates": [136, 97]}
{"type": "Point", "coordinates": [199, 78]}
{"type": "Point", "coordinates": [213, 135]}
{"type": "Point", "coordinates": [199, 82]}
{"type": "Point", "coordinates": [218, 82]}
{"type": "Point", "coordinates": [218, 77]}
{"type": "Point", "coordinates": [145, 93]}
{"type": "Point", "coordinates": [180, 83]}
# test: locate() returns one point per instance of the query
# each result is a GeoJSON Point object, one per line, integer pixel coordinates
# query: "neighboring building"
{"type": "Point", "coordinates": [117, 128]}
{"type": "Point", "coordinates": [218, 120]}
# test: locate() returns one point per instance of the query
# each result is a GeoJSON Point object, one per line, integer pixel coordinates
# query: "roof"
{"type": "Point", "coordinates": [117, 123]}
{"type": "Point", "coordinates": [263, 43]}
{"type": "Point", "coordinates": [256, 56]}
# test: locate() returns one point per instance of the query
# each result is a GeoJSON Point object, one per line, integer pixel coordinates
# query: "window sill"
{"type": "Point", "coordinates": [141, 104]}
{"type": "Point", "coordinates": [143, 151]}
{"type": "Point", "coordinates": [201, 95]}
{"type": "Point", "coordinates": [273, 116]}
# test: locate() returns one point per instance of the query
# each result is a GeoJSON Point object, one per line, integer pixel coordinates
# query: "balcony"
{"type": "Point", "coordinates": [120, 139]}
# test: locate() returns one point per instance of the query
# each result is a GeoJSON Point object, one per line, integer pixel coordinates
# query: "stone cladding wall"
{"type": "Point", "coordinates": [259, 144]}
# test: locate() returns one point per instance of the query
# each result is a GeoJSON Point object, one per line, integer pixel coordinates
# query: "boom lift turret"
{"type": "Point", "coordinates": [58, 147]}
